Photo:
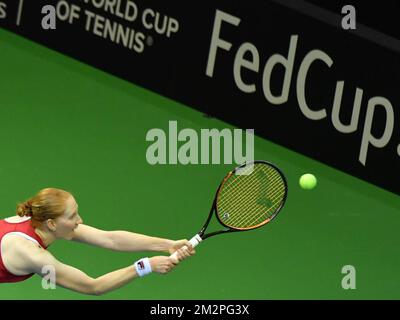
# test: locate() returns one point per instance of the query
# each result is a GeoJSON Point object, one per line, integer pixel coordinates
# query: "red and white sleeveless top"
{"type": "Point", "coordinates": [23, 229]}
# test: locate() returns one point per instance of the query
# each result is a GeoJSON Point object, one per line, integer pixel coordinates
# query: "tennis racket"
{"type": "Point", "coordinates": [250, 196]}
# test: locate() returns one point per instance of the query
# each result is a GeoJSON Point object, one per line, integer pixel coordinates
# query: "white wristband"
{"type": "Point", "coordinates": [143, 267]}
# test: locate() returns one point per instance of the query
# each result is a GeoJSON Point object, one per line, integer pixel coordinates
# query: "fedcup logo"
{"type": "Point", "coordinates": [187, 146]}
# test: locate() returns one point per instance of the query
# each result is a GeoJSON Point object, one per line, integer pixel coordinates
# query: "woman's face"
{"type": "Point", "coordinates": [69, 221]}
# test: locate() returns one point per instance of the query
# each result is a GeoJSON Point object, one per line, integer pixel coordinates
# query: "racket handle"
{"type": "Point", "coordinates": [194, 242]}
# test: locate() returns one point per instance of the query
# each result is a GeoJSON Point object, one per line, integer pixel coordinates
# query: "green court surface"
{"type": "Point", "coordinates": [65, 124]}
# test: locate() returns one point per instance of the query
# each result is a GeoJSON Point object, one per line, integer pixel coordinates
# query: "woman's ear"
{"type": "Point", "coordinates": [51, 225]}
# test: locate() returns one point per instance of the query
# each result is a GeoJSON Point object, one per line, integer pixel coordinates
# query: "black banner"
{"type": "Point", "coordinates": [206, 309]}
{"type": "Point", "coordinates": [291, 73]}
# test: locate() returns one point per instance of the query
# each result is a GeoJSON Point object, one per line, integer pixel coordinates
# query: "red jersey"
{"type": "Point", "coordinates": [24, 229]}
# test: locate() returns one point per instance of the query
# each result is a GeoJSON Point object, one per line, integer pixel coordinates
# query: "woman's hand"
{"type": "Point", "coordinates": [164, 264]}
{"type": "Point", "coordinates": [184, 249]}
{"type": "Point", "coordinates": [161, 264]}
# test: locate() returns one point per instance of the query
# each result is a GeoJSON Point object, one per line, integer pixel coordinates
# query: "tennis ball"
{"type": "Point", "coordinates": [308, 181]}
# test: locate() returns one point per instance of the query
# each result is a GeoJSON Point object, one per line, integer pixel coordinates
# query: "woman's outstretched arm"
{"type": "Point", "coordinates": [34, 259]}
{"type": "Point", "coordinates": [127, 241]}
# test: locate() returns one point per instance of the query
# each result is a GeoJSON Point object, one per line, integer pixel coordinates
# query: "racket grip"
{"type": "Point", "coordinates": [194, 242]}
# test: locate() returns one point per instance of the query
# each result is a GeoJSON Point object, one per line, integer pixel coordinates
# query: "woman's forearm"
{"type": "Point", "coordinates": [114, 280]}
{"type": "Point", "coordinates": [129, 241]}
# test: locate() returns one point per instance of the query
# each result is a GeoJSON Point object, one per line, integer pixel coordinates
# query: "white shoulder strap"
{"type": "Point", "coordinates": [24, 235]}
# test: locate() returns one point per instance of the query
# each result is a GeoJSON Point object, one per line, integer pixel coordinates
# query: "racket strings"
{"type": "Point", "coordinates": [234, 182]}
{"type": "Point", "coordinates": [260, 212]}
{"type": "Point", "coordinates": [238, 187]}
{"type": "Point", "coordinates": [243, 205]}
{"type": "Point", "coordinates": [241, 197]}
{"type": "Point", "coordinates": [254, 194]}
{"type": "Point", "coordinates": [259, 216]}
{"type": "Point", "coordinates": [235, 187]}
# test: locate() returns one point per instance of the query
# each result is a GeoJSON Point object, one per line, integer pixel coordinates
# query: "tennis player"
{"type": "Point", "coordinates": [52, 214]}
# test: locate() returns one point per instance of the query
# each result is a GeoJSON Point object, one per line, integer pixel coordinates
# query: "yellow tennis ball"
{"type": "Point", "coordinates": [308, 181]}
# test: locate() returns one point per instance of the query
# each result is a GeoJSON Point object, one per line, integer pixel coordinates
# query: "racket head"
{"type": "Point", "coordinates": [250, 196]}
